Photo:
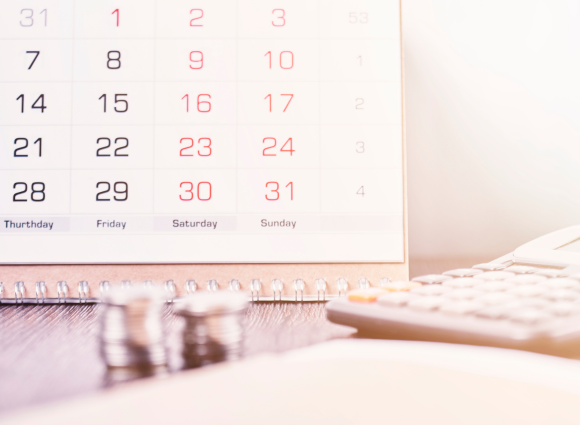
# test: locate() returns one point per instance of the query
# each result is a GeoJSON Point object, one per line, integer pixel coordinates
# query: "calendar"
{"type": "Point", "coordinates": [205, 131]}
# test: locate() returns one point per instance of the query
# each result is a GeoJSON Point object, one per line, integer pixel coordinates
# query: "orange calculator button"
{"type": "Point", "coordinates": [368, 295]}
{"type": "Point", "coordinates": [401, 285]}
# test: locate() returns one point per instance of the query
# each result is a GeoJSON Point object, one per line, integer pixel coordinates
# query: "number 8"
{"type": "Point", "coordinates": [198, 63]}
{"type": "Point", "coordinates": [112, 61]}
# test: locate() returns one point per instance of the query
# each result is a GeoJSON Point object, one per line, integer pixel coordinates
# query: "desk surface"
{"type": "Point", "coordinates": [52, 352]}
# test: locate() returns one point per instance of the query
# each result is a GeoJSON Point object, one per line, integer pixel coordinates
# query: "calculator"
{"type": "Point", "coordinates": [528, 299]}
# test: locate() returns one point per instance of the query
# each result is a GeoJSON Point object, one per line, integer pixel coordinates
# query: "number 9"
{"type": "Point", "coordinates": [196, 58]}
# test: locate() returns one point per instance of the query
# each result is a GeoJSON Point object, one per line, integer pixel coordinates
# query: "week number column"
{"type": "Point", "coordinates": [361, 115]}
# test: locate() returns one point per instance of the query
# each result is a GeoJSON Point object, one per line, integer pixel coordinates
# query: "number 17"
{"type": "Point", "coordinates": [269, 97]}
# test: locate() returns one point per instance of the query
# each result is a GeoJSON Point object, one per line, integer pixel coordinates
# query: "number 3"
{"type": "Point", "coordinates": [279, 20]}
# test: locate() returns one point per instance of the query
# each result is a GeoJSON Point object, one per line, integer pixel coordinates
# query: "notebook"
{"type": "Point", "coordinates": [344, 382]}
{"type": "Point", "coordinates": [159, 141]}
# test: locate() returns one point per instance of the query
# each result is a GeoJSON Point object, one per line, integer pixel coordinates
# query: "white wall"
{"type": "Point", "coordinates": [493, 123]}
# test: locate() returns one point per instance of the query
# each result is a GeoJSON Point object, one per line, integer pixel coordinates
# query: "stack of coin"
{"type": "Point", "coordinates": [214, 327]}
{"type": "Point", "coordinates": [132, 327]}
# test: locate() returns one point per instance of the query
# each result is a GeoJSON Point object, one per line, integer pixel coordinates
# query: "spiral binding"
{"type": "Point", "coordinates": [190, 286]}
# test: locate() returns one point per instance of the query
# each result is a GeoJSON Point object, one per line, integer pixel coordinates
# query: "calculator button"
{"type": "Point", "coordinates": [561, 283]}
{"type": "Point", "coordinates": [551, 273]}
{"type": "Point", "coordinates": [488, 267]}
{"type": "Point", "coordinates": [427, 303]}
{"type": "Point", "coordinates": [562, 295]}
{"type": "Point", "coordinates": [526, 279]}
{"type": "Point", "coordinates": [495, 286]}
{"type": "Point", "coordinates": [494, 313]}
{"type": "Point", "coordinates": [463, 272]}
{"type": "Point", "coordinates": [368, 295]}
{"type": "Point", "coordinates": [400, 285]}
{"type": "Point", "coordinates": [461, 307]}
{"type": "Point", "coordinates": [528, 291]}
{"type": "Point", "coordinates": [395, 299]}
{"type": "Point", "coordinates": [431, 279]}
{"type": "Point", "coordinates": [463, 294]}
{"type": "Point", "coordinates": [523, 303]}
{"type": "Point", "coordinates": [495, 275]}
{"type": "Point", "coordinates": [529, 316]}
{"type": "Point", "coordinates": [520, 269]}
{"type": "Point", "coordinates": [463, 282]}
{"type": "Point", "coordinates": [495, 298]}
{"type": "Point", "coordinates": [563, 309]}
{"type": "Point", "coordinates": [432, 290]}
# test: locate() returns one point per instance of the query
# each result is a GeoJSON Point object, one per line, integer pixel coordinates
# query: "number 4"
{"type": "Point", "coordinates": [361, 191]}
{"type": "Point", "coordinates": [288, 150]}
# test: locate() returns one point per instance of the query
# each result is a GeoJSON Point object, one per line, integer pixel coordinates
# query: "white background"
{"type": "Point", "coordinates": [493, 128]}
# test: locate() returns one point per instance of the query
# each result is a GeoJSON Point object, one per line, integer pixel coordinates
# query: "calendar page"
{"type": "Point", "coordinates": [210, 131]}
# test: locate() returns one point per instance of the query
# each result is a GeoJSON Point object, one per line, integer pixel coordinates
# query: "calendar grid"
{"type": "Point", "coordinates": [234, 117]}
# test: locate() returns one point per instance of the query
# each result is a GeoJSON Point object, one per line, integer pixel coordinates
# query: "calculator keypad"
{"type": "Point", "coordinates": [519, 295]}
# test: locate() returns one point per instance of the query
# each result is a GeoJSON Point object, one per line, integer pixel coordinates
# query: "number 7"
{"type": "Point", "coordinates": [288, 104]}
{"type": "Point", "coordinates": [35, 57]}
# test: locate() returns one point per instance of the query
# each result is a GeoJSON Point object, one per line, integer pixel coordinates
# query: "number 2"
{"type": "Point", "coordinates": [198, 12]}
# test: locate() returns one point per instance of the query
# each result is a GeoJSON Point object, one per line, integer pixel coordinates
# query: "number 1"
{"type": "Point", "coordinates": [117, 12]}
